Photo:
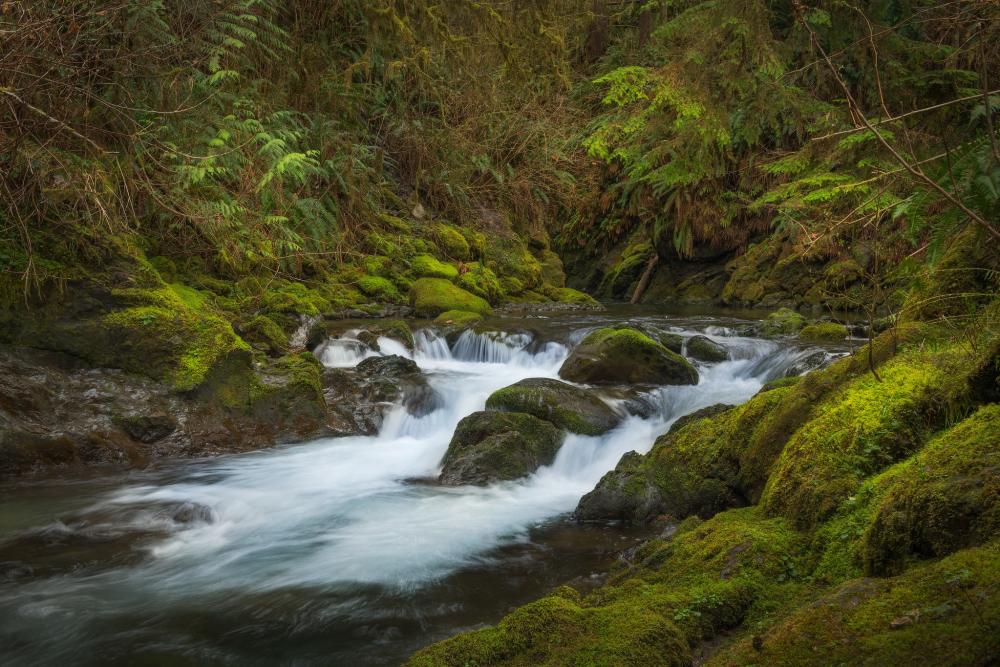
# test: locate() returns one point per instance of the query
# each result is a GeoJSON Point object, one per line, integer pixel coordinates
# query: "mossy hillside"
{"type": "Point", "coordinates": [859, 430]}
{"type": "Point", "coordinates": [824, 332]}
{"type": "Point", "coordinates": [430, 297]}
{"type": "Point", "coordinates": [945, 498]}
{"type": "Point", "coordinates": [705, 580]}
{"type": "Point", "coordinates": [940, 613]}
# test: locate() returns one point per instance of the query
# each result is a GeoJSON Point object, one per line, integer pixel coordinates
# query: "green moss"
{"type": "Point", "coordinates": [482, 282]}
{"type": "Point", "coordinates": [570, 295]}
{"type": "Point", "coordinates": [458, 318]}
{"type": "Point", "coordinates": [859, 430]}
{"type": "Point", "coordinates": [168, 338]}
{"type": "Point", "coordinates": [430, 297]}
{"type": "Point", "coordinates": [426, 266]}
{"type": "Point", "coordinates": [552, 269]}
{"type": "Point", "coordinates": [450, 240]}
{"type": "Point", "coordinates": [562, 404]}
{"type": "Point", "coordinates": [262, 330]}
{"type": "Point", "coordinates": [945, 498]}
{"type": "Point", "coordinates": [827, 332]}
{"type": "Point", "coordinates": [280, 296]}
{"type": "Point", "coordinates": [783, 322]}
{"type": "Point", "coordinates": [379, 288]}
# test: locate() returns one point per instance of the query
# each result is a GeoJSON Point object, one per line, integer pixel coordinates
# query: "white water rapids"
{"type": "Point", "coordinates": [343, 513]}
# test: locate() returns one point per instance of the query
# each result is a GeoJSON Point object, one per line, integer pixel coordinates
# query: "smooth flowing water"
{"type": "Point", "coordinates": [336, 551]}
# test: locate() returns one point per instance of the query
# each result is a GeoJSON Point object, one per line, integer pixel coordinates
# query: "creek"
{"type": "Point", "coordinates": [339, 550]}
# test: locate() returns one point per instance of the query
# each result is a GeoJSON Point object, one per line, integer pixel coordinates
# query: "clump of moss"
{"type": "Point", "coordinates": [379, 288]}
{"type": "Point", "coordinates": [430, 297]}
{"type": "Point", "coordinates": [280, 296]}
{"type": "Point", "coordinates": [570, 295]}
{"type": "Point", "coordinates": [824, 332]}
{"type": "Point", "coordinates": [426, 266]}
{"type": "Point", "coordinates": [783, 322]}
{"type": "Point", "coordinates": [458, 318]}
{"type": "Point", "coordinates": [482, 282]}
{"type": "Point", "coordinates": [450, 240]}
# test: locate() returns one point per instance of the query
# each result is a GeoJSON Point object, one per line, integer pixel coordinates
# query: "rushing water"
{"type": "Point", "coordinates": [333, 551]}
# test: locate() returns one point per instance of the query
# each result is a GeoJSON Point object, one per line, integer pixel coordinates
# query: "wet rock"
{"type": "Point", "coordinates": [390, 366]}
{"type": "Point", "coordinates": [620, 356]}
{"type": "Point", "coordinates": [812, 361]}
{"type": "Point", "coordinates": [783, 322]}
{"type": "Point", "coordinates": [621, 495]}
{"type": "Point", "coordinates": [672, 341]}
{"type": "Point", "coordinates": [704, 348]}
{"type": "Point", "coordinates": [562, 404]}
{"type": "Point", "coordinates": [492, 446]}
{"type": "Point", "coordinates": [148, 428]}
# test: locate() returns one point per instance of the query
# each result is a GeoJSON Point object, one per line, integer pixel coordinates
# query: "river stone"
{"type": "Point", "coordinates": [559, 403]}
{"type": "Point", "coordinates": [704, 348]}
{"type": "Point", "coordinates": [392, 366]}
{"type": "Point", "coordinates": [492, 446]}
{"type": "Point", "coordinates": [620, 356]}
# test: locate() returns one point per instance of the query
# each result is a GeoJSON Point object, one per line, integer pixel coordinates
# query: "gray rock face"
{"type": "Point", "coordinates": [492, 446]}
{"type": "Point", "coordinates": [704, 348]}
{"type": "Point", "coordinates": [626, 356]}
{"type": "Point", "coordinates": [563, 405]}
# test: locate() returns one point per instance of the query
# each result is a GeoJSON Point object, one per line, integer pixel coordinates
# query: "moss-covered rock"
{"type": "Point", "coordinates": [264, 333]}
{"type": "Point", "coordinates": [783, 322]}
{"type": "Point", "coordinates": [693, 470]}
{"type": "Point", "coordinates": [704, 348]}
{"type": "Point", "coordinates": [564, 405]}
{"type": "Point", "coordinates": [426, 266]}
{"type": "Point", "coordinates": [824, 332]}
{"type": "Point", "coordinates": [619, 356]}
{"type": "Point", "coordinates": [492, 446]}
{"type": "Point", "coordinates": [572, 296]}
{"type": "Point", "coordinates": [552, 269]}
{"type": "Point", "coordinates": [430, 297]}
{"type": "Point", "coordinates": [288, 392]}
{"type": "Point", "coordinates": [458, 318]}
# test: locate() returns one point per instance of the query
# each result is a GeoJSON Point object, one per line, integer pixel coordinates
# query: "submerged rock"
{"type": "Point", "coordinates": [704, 348]}
{"type": "Point", "coordinates": [559, 403]}
{"type": "Point", "coordinates": [492, 446]}
{"type": "Point", "coordinates": [618, 356]}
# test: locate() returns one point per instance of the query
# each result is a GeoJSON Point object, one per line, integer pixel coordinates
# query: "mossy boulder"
{"type": "Point", "coordinates": [783, 322]}
{"type": "Point", "coordinates": [572, 296]}
{"type": "Point", "coordinates": [458, 318]}
{"type": "Point", "coordinates": [288, 393]}
{"type": "Point", "coordinates": [264, 333]}
{"type": "Point", "coordinates": [824, 332]}
{"type": "Point", "coordinates": [426, 266]}
{"type": "Point", "coordinates": [492, 446]}
{"type": "Point", "coordinates": [694, 469]}
{"type": "Point", "coordinates": [430, 297]}
{"type": "Point", "coordinates": [562, 404]}
{"type": "Point", "coordinates": [625, 356]}
{"type": "Point", "coordinates": [553, 272]}
{"type": "Point", "coordinates": [945, 498]}
{"type": "Point", "coordinates": [704, 348]}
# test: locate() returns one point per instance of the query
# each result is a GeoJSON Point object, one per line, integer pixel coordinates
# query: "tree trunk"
{"type": "Point", "coordinates": [644, 280]}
